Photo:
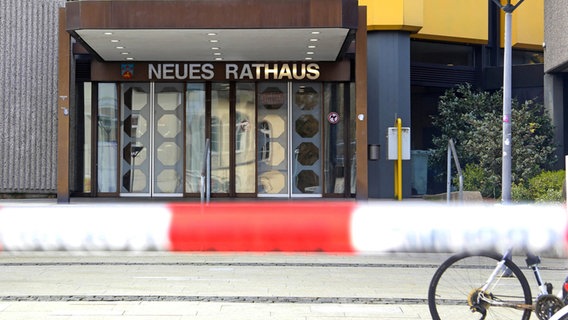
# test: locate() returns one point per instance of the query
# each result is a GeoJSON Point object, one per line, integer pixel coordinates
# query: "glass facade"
{"type": "Point", "coordinates": [271, 139]}
{"type": "Point", "coordinates": [245, 126]}
{"type": "Point", "coordinates": [87, 135]}
{"type": "Point", "coordinates": [339, 139]}
{"type": "Point", "coordinates": [107, 138]}
{"type": "Point", "coordinates": [220, 138]}
{"type": "Point", "coordinates": [194, 135]}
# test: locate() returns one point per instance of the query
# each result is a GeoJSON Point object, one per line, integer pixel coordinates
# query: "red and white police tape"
{"type": "Point", "coordinates": [304, 226]}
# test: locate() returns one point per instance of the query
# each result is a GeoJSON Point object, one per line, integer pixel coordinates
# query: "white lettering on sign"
{"type": "Point", "coordinates": [180, 71]}
{"type": "Point", "coordinates": [247, 71]}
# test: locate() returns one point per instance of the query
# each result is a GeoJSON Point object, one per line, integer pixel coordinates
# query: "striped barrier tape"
{"type": "Point", "coordinates": [304, 226]}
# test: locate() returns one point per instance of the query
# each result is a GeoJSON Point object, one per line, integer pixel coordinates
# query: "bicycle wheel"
{"type": "Point", "coordinates": [455, 285]}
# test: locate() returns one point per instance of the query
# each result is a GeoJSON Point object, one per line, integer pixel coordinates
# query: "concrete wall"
{"type": "Point", "coordinates": [555, 26]}
{"type": "Point", "coordinates": [556, 66]}
{"type": "Point", "coordinates": [28, 95]}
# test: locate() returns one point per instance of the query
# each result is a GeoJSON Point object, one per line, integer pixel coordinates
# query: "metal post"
{"type": "Point", "coordinates": [507, 118]}
{"type": "Point", "coordinates": [399, 158]}
{"type": "Point", "coordinates": [205, 178]}
{"type": "Point", "coordinates": [208, 178]}
{"type": "Point", "coordinates": [452, 151]}
{"type": "Point", "coordinates": [449, 174]}
{"type": "Point", "coordinates": [507, 137]}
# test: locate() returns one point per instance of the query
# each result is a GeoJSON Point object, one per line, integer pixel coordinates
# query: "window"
{"type": "Point", "coordinates": [442, 53]}
{"type": "Point", "coordinates": [216, 130]}
{"type": "Point", "coordinates": [107, 128]}
{"type": "Point", "coordinates": [242, 128]}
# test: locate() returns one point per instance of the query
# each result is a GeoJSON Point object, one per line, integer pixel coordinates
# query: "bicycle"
{"type": "Point", "coordinates": [470, 286]}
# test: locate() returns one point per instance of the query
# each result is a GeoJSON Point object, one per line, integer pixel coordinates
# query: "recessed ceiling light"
{"type": "Point", "coordinates": [120, 47]}
{"type": "Point", "coordinates": [129, 58]}
{"type": "Point", "coordinates": [213, 40]}
{"type": "Point", "coordinates": [310, 52]}
{"type": "Point", "coordinates": [315, 32]}
{"type": "Point", "coordinates": [308, 58]}
{"type": "Point", "coordinates": [108, 33]}
{"type": "Point", "coordinates": [114, 41]}
{"type": "Point", "coordinates": [215, 48]}
{"type": "Point", "coordinates": [313, 40]}
{"type": "Point", "coordinates": [218, 59]}
{"type": "Point", "coordinates": [211, 34]}
{"type": "Point", "coordinates": [217, 53]}
{"type": "Point", "coordinates": [311, 47]}
{"type": "Point", "coordinates": [124, 53]}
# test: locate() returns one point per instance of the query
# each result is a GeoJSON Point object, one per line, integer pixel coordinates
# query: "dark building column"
{"type": "Point", "coordinates": [555, 87]}
{"type": "Point", "coordinates": [388, 98]}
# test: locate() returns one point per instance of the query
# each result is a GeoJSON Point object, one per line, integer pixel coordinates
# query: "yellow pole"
{"type": "Point", "coordinates": [399, 159]}
{"type": "Point", "coordinates": [396, 180]}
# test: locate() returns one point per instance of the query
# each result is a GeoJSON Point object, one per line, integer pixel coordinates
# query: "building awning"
{"type": "Point", "coordinates": [214, 30]}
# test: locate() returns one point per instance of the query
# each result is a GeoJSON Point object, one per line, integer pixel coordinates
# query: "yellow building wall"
{"type": "Point", "coordinates": [404, 15]}
{"type": "Point", "coordinates": [458, 21]}
{"type": "Point", "coordinates": [527, 25]}
{"type": "Point", "coordinates": [455, 21]}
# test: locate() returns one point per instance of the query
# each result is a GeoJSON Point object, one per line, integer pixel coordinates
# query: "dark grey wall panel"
{"type": "Point", "coordinates": [388, 92]}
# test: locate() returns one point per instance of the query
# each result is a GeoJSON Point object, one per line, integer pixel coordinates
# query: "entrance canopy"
{"type": "Point", "coordinates": [214, 30]}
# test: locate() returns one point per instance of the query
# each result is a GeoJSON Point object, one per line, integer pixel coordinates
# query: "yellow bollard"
{"type": "Point", "coordinates": [398, 162]}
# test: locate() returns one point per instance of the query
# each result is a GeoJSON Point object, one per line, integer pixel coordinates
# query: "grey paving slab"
{"type": "Point", "coordinates": [157, 285]}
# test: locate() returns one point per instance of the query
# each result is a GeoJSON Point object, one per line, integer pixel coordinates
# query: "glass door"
{"type": "Point", "coordinates": [232, 127]}
{"type": "Point", "coordinates": [272, 141]}
{"type": "Point", "coordinates": [151, 139]}
{"type": "Point", "coordinates": [289, 140]}
{"type": "Point", "coordinates": [306, 139]}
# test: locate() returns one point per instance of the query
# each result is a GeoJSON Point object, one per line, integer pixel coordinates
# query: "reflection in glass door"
{"type": "Point", "coordinates": [289, 140]}
{"type": "Point", "coordinates": [152, 139]}
{"type": "Point", "coordinates": [232, 126]}
{"type": "Point", "coordinates": [195, 119]}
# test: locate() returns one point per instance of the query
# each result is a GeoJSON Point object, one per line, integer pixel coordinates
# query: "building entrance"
{"type": "Point", "coordinates": [266, 139]}
{"type": "Point", "coordinates": [151, 139]}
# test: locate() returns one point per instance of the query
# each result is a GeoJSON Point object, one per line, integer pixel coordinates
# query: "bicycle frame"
{"type": "Point", "coordinates": [560, 315]}
{"type": "Point", "coordinates": [532, 262]}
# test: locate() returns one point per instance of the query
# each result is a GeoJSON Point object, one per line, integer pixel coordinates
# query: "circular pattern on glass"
{"type": "Point", "coordinates": [307, 181]}
{"type": "Point", "coordinates": [307, 126]}
{"type": "Point", "coordinates": [306, 98]}
{"type": "Point", "coordinates": [307, 153]}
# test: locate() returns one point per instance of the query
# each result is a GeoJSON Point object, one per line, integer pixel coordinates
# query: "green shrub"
{"type": "Point", "coordinates": [520, 193]}
{"type": "Point", "coordinates": [545, 187]}
{"type": "Point", "coordinates": [476, 178]}
{"type": "Point", "coordinates": [473, 119]}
